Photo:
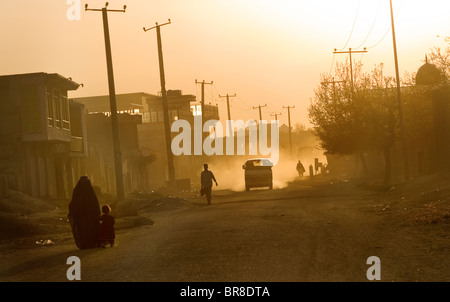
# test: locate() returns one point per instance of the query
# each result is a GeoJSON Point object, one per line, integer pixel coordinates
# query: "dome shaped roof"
{"type": "Point", "coordinates": [428, 74]}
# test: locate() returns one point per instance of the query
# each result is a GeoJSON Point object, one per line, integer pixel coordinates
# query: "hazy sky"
{"type": "Point", "coordinates": [266, 51]}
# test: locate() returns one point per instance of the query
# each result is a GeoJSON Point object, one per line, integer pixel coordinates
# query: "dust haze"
{"type": "Point", "coordinates": [230, 175]}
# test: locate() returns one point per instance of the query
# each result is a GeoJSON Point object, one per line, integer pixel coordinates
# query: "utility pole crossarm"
{"type": "Point", "coordinates": [332, 82]}
{"type": "Point", "coordinates": [276, 114]}
{"type": "Point", "coordinates": [259, 107]}
{"type": "Point", "coordinates": [228, 95]}
{"type": "Point", "coordinates": [86, 8]}
{"type": "Point", "coordinates": [203, 83]}
{"type": "Point", "coordinates": [350, 51]}
{"type": "Point", "coordinates": [157, 25]}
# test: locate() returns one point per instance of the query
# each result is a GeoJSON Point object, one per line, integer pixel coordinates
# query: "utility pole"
{"type": "Point", "coordinates": [228, 109]}
{"type": "Point", "coordinates": [203, 83]}
{"type": "Point", "coordinates": [350, 51]}
{"type": "Point", "coordinates": [290, 132]}
{"type": "Point", "coordinates": [334, 90]}
{"type": "Point", "coordinates": [171, 168]}
{"type": "Point", "coordinates": [334, 86]}
{"type": "Point", "coordinates": [260, 114]}
{"type": "Point", "coordinates": [399, 101]}
{"type": "Point", "coordinates": [112, 101]}
{"type": "Point", "coordinates": [276, 115]}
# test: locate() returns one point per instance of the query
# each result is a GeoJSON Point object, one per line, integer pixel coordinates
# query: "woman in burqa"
{"type": "Point", "coordinates": [84, 213]}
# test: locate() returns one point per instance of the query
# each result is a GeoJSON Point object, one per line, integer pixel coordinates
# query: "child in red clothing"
{"type": "Point", "coordinates": [106, 232]}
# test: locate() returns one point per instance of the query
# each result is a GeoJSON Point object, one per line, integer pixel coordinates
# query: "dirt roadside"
{"type": "Point", "coordinates": [410, 222]}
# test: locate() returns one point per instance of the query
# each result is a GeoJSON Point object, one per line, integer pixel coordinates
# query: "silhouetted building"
{"type": "Point", "coordinates": [152, 136]}
{"type": "Point", "coordinates": [41, 133]}
{"type": "Point", "coordinates": [131, 103]}
{"type": "Point", "coordinates": [142, 139]}
{"type": "Point", "coordinates": [100, 162]}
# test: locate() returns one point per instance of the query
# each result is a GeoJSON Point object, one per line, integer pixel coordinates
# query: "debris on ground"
{"type": "Point", "coordinates": [44, 242]}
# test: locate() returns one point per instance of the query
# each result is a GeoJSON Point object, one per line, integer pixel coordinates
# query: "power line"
{"type": "Point", "coordinates": [239, 107]}
{"type": "Point", "coordinates": [372, 26]}
{"type": "Point", "coordinates": [388, 30]}
{"type": "Point", "coordinates": [332, 64]}
{"type": "Point", "coordinates": [353, 27]}
{"type": "Point", "coordinates": [244, 103]}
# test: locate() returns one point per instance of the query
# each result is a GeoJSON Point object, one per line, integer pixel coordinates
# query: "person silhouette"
{"type": "Point", "coordinates": [106, 233]}
{"type": "Point", "coordinates": [84, 213]}
{"type": "Point", "coordinates": [207, 178]}
{"type": "Point", "coordinates": [300, 168]}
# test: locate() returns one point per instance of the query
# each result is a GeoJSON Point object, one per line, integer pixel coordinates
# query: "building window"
{"type": "Point", "coordinates": [49, 107]}
{"type": "Point", "coordinates": [65, 111]}
{"type": "Point", "coordinates": [57, 102]}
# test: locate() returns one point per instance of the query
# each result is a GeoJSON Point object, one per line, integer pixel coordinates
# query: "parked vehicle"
{"type": "Point", "coordinates": [258, 173]}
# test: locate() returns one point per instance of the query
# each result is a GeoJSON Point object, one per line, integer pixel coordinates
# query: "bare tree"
{"type": "Point", "coordinates": [441, 58]}
{"type": "Point", "coordinates": [354, 118]}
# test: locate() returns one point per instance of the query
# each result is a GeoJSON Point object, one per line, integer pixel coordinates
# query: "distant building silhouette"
{"type": "Point", "coordinates": [141, 131]}
{"type": "Point", "coordinates": [428, 74]}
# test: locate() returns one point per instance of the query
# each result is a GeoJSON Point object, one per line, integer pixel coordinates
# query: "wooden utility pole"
{"type": "Point", "coordinates": [399, 101]}
{"type": "Point", "coordinates": [228, 109]}
{"type": "Point", "coordinates": [290, 128]}
{"type": "Point", "coordinates": [334, 86]}
{"type": "Point", "coordinates": [276, 115]}
{"type": "Point", "coordinates": [260, 113]}
{"type": "Point", "coordinates": [112, 101]}
{"type": "Point", "coordinates": [334, 90]}
{"type": "Point", "coordinates": [203, 83]}
{"type": "Point", "coordinates": [170, 165]}
{"type": "Point", "coordinates": [350, 51]}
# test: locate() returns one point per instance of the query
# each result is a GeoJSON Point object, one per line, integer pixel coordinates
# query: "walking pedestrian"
{"type": "Point", "coordinates": [207, 177]}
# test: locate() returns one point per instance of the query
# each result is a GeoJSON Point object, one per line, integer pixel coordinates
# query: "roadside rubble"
{"type": "Point", "coordinates": [44, 242]}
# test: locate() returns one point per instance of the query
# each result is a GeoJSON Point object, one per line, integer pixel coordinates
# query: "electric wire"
{"type": "Point", "coordinates": [372, 26]}
{"type": "Point", "coordinates": [353, 27]}
{"type": "Point", "coordinates": [389, 28]}
{"type": "Point", "coordinates": [332, 64]}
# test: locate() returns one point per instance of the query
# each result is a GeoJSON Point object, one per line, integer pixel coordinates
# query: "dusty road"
{"type": "Point", "coordinates": [306, 232]}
